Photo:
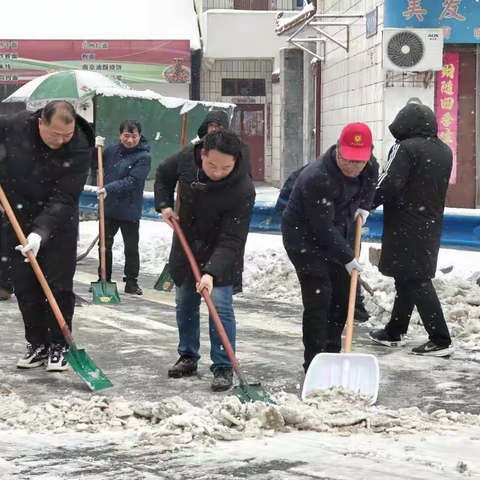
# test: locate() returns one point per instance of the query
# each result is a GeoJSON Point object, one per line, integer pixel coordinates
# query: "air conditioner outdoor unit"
{"type": "Point", "coordinates": [412, 50]}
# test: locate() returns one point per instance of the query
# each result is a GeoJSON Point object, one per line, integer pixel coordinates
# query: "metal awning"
{"type": "Point", "coordinates": [309, 17]}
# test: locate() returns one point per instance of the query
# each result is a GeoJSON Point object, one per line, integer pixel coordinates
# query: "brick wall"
{"type": "Point", "coordinates": [353, 82]}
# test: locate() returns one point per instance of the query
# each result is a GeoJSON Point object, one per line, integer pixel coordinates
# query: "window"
{"type": "Point", "coordinates": [243, 88]}
{"type": "Point", "coordinates": [251, 4]}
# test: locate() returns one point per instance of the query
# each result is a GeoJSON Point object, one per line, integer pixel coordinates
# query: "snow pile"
{"type": "Point", "coordinates": [460, 299]}
{"type": "Point", "coordinates": [174, 422]}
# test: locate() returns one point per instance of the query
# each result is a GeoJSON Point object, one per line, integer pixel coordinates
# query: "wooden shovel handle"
{"type": "Point", "coordinates": [208, 300]}
{"type": "Point", "coordinates": [183, 145]}
{"type": "Point", "coordinates": [353, 288]}
{"type": "Point", "coordinates": [101, 214]}
{"type": "Point", "coordinates": [36, 268]}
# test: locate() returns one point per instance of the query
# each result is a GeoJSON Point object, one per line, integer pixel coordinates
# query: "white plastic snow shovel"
{"type": "Point", "coordinates": [352, 371]}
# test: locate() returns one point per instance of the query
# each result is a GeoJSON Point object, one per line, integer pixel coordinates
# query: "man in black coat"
{"type": "Point", "coordinates": [216, 204]}
{"type": "Point", "coordinates": [126, 164]}
{"type": "Point", "coordinates": [412, 190]}
{"type": "Point", "coordinates": [43, 171]}
{"type": "Point", "coordinates": [327, 197]}
{"type": "Point", "coordinates": [6, 287]}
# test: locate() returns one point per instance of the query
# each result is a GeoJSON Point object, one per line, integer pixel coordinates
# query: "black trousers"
{"type": "Point", "coordinates": [325, 289]}
{"type": "Point", "coordinates": [422, 294]}
{"type": "Point", "coordinates": [131, 237]}
{"type": "Point", "coordinates": [57, 259]}
{"type": "Point", "coordinates": [5, 267]}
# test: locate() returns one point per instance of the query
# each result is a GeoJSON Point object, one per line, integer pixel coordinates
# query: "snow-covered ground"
{"type": "Point", "coordinates": [269, 274]}
{"type": "Point", "coordinates": [333, 435]}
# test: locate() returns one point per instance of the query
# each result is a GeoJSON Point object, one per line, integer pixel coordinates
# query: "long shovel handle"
{"type": "Point", "coordinates": [36, 268]}
{"type": "Point", "coordinates": [208, 300]}
{"type": "Point", "coordinates": [183, 144]}
{"type": "Point", "coordinates": [353, 288]}
{"type": "Point", "coordinates": [101, 214]}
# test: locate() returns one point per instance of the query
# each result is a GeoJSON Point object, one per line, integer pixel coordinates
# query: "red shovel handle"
{"type": "Point", "coordinates": [208, 300]}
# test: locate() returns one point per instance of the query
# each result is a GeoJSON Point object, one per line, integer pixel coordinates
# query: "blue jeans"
{"type": "Point", "coordinates": [188, 321]}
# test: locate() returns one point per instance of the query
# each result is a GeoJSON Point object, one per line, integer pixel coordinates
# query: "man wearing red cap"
{"type": "Point", "coordinates": [328, 196]}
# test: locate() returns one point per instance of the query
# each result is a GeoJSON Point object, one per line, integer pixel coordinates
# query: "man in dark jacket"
{"type": "Point", "coordinates": [216, 204]}
{"type": "Point", "coordinates": [47, 155]}
{"type": "Point", "coordinates": [327, 197]}
{"type": "Point", "coordinates": [412, 190]}
{"type": "Point", "coordinates": [6, 287]}
{"type": "Point", "coordinates": [127, 164]}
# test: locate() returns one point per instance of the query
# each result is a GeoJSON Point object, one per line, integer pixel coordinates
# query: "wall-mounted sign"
{"type": "Point", "coordinates": [133, 61]}
{"type": "Point", "coordinates": [447, 105]}
{"type": "Point", "coordinates": [459, 19]}
{"type": "Point", "coordinates": [372, 23]}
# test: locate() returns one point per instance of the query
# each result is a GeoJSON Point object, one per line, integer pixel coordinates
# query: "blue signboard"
{"type": "Point", "coordinates": [459, 19]}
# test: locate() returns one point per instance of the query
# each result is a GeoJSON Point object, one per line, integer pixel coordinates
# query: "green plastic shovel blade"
{"type": "Point", "coordinates": [253, 392]}
{"type": "Point", "coordinates": [164, 282]}
{"type": "Point", "coordinates": [105, 293]}
{"type": "Point", "coordinates": [86, 368]}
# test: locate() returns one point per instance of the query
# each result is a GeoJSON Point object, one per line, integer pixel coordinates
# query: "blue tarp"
{"type": "Point", "coordinates": [459, 231]}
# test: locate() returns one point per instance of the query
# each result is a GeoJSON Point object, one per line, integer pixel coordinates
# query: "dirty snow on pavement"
{"type": "Point", "coordinates": [269, 274]}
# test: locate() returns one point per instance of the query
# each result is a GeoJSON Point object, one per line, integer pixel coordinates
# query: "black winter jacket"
{"type": "Point", "coordinates": [322, 206]}
{"type": "Point", "coordinates": [215, 216]}
{"type": "Point", "coordinates": [412, 189]}
{"type": "Point", "coordinates": [43, 185]}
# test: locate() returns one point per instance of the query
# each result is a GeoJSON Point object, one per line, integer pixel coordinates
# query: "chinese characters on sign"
{"type": "Point", "coordinates": [447, 105]}
{"type": "Point", "coordinates": [451, 10]}
{"type": "Point", "coordinates": [415, 10]}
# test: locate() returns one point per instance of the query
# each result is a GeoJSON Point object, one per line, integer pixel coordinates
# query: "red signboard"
{"type": "Point", "coordinates": [140, 61]}
{"type": "Point", "coordinates": [447, 105]}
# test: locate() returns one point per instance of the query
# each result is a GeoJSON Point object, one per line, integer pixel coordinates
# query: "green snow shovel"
{"type": "Point", "coordinates": [246, 392]}
{"type": "Point", "coordinates": [78, 359]}
{"type": "Point", "coordinates": [104, 293]}
{"type": "Point", "coordinates": [165, 281]}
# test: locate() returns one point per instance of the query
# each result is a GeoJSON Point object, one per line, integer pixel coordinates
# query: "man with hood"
{"type": "Point", "coordinates": [126, 164]}
{"type": "Point", "coordinates": [412, 190]}
{"type": "Point", "coordinates": [327, 197]}
{"type": "Point", "coordinates": [216, 204]}
{"type": "Point", "coordinates": [43, 171]}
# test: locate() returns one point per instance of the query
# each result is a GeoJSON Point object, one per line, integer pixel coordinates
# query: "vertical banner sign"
{"type": "Point", "coordinates": [447, 105]}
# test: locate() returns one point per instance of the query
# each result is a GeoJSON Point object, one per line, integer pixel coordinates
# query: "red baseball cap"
{"type": "Point", "coordinates": [356, 142]}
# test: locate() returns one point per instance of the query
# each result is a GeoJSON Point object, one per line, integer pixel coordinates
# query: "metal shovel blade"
{"type": "Point", "coordinates": [86, 368]}
{"type": "Point", "coordinates": [252, 392]}
{"type": "Point", "coordinates": [105, 293]}
{"type": "Point", "coordinates": [352, 371]}
{"type": "Point", "coordinates": [165, 281]}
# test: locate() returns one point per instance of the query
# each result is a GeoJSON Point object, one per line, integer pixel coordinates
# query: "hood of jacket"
{"type": "Point", "coordinates": [217, 116]}
{"type": "Point", "coordinates": [80, 124]}
{"type": "Point", "coordinates": [143, 146]}
{"type": "Point", "coordinates": [414, 120]}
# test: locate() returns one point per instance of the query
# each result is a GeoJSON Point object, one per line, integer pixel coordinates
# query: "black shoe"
{"type": "Point", "coordinates": [382, 337]}
{"type": "Point", "coordinates": [222, 379]}
{"type": "Point", "coordinates": [185, 367]}
{"type": "Point", "coordinates": [431, 349]}
{"type": "Point", "coordinates": [131, 286]}
{"type": "Point", "coordinates": [56, 359]}
{"type": "Point", "coordinates": [361, 314]}
{"type": "Point", "coordinates": [36, 356]}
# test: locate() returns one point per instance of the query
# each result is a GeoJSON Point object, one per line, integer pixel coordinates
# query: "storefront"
{"type": "Point", "coordinates": [455, 97]}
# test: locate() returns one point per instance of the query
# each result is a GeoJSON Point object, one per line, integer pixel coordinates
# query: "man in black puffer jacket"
{"type": "Point", "coordinates": [412, 190]}
{"type": "Point", "coordinates": [44, 169]}
{"type": "Point", "coordinates": [216, 204]}
{"type": "Point", "coordinates": [126, 165]}
{"type": "Point", "coordinates": [327, 197]}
